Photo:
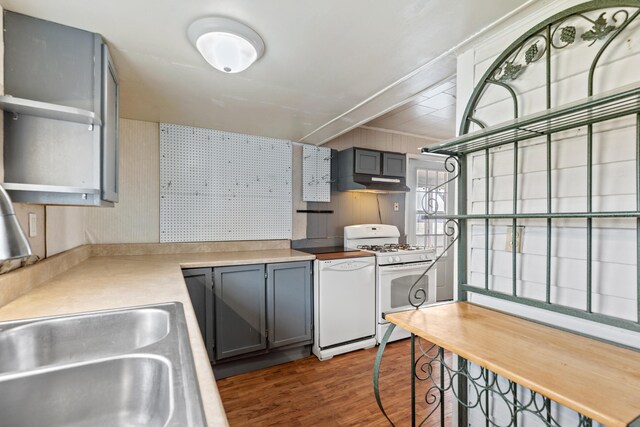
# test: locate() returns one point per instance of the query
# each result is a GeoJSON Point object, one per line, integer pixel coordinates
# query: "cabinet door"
{"type": "Point", "coordinates": [110, 139]}
{"type": "Point", "coordinates": [240, 317]}
{"type": "Point", "coordinates": [49, 62]}
{"type": "Point", "coordinates": [199, 283]}
{"type": "Point", "coordinates": [394, 164]}
{"type": "Point", "coordinates": [289, 303]}
{"type": "Point", "coordinates": [367, 162]}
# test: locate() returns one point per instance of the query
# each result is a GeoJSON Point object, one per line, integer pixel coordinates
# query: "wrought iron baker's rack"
{"type": "Point", "coordinates": [596, 24]}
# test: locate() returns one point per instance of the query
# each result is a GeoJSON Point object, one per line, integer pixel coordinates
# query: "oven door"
{"type": "Point", "coordinates": [395, 282]}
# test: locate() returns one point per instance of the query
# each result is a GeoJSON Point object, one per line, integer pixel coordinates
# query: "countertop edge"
{"type": "Point", "coordinates": [86, 287]}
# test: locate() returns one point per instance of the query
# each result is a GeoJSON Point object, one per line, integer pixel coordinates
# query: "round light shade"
{"type": "Point", "coordinates": [226, 45]}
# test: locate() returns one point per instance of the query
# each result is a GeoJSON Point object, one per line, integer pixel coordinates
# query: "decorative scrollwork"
{"type": "Point", "coordinates": [417, 294]}
{"type": "Point", "coordinates": [430, 205]}
{"type": "Point", "coordinates": [423, 369]}
{"type": "Point", "coordinates": [485, 390]}
{"type": "Point", "coordinates": [600, 28]}
{"type": "Point", "coordinates": [586, 23]}
{"type": "Point", "coordinates": [535, 46]}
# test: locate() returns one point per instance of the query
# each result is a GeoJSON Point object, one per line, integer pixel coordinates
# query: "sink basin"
{"type": "Point", "coordinates": [69, 339]}
{"type": "Point", "coordinates": [127, 391]}
{"type": "Point", "coordinates": [126, 367]}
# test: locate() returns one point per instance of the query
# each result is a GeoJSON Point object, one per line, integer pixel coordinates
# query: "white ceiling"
{"type": "Point", "coordinates": [430, 114]}
{"type": "Point", "coordinates": [322, 58]}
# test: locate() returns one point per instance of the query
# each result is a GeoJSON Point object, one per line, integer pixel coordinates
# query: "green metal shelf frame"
{"type": "Point", "coordinates": [606, 19]}
{"type": "Point", "coordinates": [622, 102]}
{"type": "Point", "coordinates": [607, 106]}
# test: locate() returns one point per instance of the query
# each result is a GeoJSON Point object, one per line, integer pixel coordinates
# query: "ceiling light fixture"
{"type": "Point", "coordinates": [227, 45]}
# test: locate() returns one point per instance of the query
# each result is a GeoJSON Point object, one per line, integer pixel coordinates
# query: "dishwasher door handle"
{"type": "Point", "coordinates": [354, 266]}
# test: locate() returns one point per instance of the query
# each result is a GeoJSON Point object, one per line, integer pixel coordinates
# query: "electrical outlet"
{"type": "Point", "coordinates": [509, 239]}
{"type": "Point", "coordinates": [33, 224]}
{"type": "Point", "coordinates": [396, 206]}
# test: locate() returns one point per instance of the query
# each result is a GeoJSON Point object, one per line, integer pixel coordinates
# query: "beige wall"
{"type": "Point", "coordinates": [136, 217]}
{"type": "Point", "coordinates": [65, 228]}
{"type": "Point", "coordinates": [378, 140]}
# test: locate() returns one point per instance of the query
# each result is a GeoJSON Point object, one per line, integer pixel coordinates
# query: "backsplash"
{"type": "Point", "coordinates": [351, 208]}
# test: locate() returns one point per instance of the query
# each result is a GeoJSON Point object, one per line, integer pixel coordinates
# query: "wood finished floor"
{"type": "Point", "coordinates": [337, 392]}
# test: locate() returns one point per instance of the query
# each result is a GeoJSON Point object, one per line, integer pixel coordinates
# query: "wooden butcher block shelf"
{"type": "Point", "coordinates": [596, 379]}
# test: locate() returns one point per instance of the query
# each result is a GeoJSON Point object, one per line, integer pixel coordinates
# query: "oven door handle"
{"type": "Point", "coordinates": [404, 267]}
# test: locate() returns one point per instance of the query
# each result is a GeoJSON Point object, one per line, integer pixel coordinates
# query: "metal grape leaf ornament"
{"type": "Point", "coordinates": [510, 72]}
{"type": "Point", "coordinates": [599, 31]}
{"type": "Point", "coordinates": [568, 34]}
{"type": "Point", "coordinates": [531, 53]}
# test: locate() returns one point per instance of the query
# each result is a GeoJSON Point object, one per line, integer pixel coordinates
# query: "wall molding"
{"type": "Point", "coordinates": [397, 132]}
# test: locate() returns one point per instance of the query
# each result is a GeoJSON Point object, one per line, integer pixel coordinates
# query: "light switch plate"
{"type": "Point", "coordinates": [509, 239]}
{"type": "Point", "coordinates": [33, 224]}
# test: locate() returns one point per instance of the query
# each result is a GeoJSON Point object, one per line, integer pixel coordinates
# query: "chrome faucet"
{"type": "Point", "coordinates": [13, 242]}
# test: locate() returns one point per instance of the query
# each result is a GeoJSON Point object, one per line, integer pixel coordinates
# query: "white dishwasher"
{"type": "Point", "coordinates": [345, 305]}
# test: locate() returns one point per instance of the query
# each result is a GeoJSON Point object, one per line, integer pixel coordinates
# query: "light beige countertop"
{"type": "Point", "coordinates": [100, 283]}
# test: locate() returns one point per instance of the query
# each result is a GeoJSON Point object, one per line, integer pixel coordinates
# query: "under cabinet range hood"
{"type": "Point", "coordinates": [371, 171]}
{"type": "Point", "coordinates": [372, 184]}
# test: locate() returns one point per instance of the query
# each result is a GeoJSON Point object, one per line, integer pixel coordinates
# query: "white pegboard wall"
{"type": "Point", "coordinates": [217, 185]}
{"type": "Point", "coordinates": [316, 174]}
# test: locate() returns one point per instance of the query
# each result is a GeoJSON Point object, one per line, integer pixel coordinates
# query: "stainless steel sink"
{"type": "Point", "coordinates": [125, 391]}
{"type": "Point", "coordinates": [129, 367]}
{"type": "Point", "coordinates": [81, 337]}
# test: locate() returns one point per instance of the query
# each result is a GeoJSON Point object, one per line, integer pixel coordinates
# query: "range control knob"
{"type": "Point", "coordinates": [390, 259]}
{"type": "Point", "coordinates": [396, 259]}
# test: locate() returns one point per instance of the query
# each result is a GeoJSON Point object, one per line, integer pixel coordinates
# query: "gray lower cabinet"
{"type": "Point", "coordinates": [199, 283]}
{"type": "Point", "coordinates": [253, 316]}
{"type": "Point", "coordinates": [289, 303]}
{"type": "Point", "coordinates": [240, 310]}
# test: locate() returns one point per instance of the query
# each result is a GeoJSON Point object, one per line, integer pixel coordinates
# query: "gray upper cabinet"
{"type": "Point", "coordinates": [49, 62]}
{"type": "Point", "coordinates": [367, 162]}
{"type": "Point", "coordinates": [110, 127]}
{"type": "Point", "coordinates": [289, 303]}
{"type": "Point", "coordinates": [240, 310]}
{"type": "Point", "coordinates": [361, 169]}
{"type": "Point", "coordinates": [61, 114]}
{"type": "Point", "coordinates": [394, 164]}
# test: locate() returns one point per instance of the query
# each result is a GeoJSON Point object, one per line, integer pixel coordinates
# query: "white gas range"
{"type": "Point", "coordinates": [398, 268]}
